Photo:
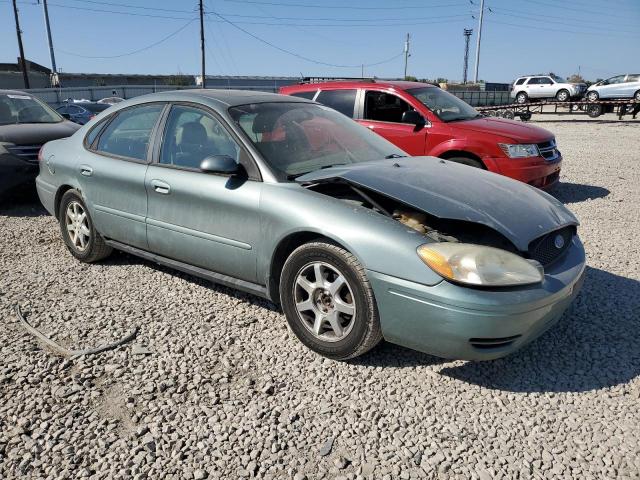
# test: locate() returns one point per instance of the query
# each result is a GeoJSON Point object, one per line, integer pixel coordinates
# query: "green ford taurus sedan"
{"type": "Point", "coordinates": [293, 201]}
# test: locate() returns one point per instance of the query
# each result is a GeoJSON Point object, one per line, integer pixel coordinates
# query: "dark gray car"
{"type": "Point", "coordinates": [26, 124]}
{"type": "Point", "coordinates": [81, 112]}
{"type": "Point", "coordinates": [293, 201]}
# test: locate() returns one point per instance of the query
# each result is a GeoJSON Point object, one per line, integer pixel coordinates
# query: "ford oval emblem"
{"type": "Point", "coordinates": [558, 241]}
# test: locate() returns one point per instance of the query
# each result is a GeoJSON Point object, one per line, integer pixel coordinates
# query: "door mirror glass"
{"type": "Point", "coordinates": [223, 164]}
{"type": "Point", "coordinates": [414, 118]}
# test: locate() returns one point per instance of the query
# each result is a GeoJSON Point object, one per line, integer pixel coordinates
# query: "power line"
{"type": "Point", "coordinates": [302, 57]}
{"type": "Point", "coordinates": [573, 9]}
{"type": "Point", "coordinates": [344, 7]}
{"type": "Point", "coordinates": [100, 10]}
{"type": "Point", "coordinates": [341, 25]}
{"type": "Point", "coordinates": [548, 19]}
{"type": "Point", "coordinates": [530, 27]}
{"type": "Point", "coordinates": [173, 34]}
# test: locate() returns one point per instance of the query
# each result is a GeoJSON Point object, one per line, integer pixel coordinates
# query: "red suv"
{"type": "Point", "coordinates": [423, 119]}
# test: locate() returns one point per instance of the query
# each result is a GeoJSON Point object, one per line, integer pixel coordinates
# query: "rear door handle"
{"type": "Point", "coordinates": [86, 170]}
{"type": "Point", "coordinates": [161, 187]}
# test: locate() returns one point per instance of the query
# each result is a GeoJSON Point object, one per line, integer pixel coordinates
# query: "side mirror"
{"type": "Point", "coordinates": [223, 164]}
{"type": "Point", "coordinates": [414, 118]}
{"type": "Point", "coordinates": [66, 115]}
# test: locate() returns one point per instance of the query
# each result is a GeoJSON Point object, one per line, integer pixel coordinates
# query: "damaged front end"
{"type": "Point", "coordinates": [487, 210]}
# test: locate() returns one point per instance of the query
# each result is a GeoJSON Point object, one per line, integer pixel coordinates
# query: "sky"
{"type": "Point", "coordinates": [330, 38]}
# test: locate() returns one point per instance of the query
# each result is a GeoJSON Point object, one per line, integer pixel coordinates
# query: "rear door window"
{"type": "Point", "coordinates": [344, 101]}
{"type": "Point", "coordinates": [384, 107]}
{"type": "Point", "coordinates": [129, 133]}
{"type": "Point", "coordinates": [633, 78]}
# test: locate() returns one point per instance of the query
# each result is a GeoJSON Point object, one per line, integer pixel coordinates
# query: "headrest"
{"type": "Point", "coordinates": [265, 122]}
{"type": "Point", "coordinates": [194, 133]}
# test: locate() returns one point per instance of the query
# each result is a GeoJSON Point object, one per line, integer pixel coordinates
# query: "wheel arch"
{"type": "Point", "coordinates": [284, 248]}
{"type": "Point", "coordinates": [58, 199]}
{"type": "Point", "coordinates": [462, 153]}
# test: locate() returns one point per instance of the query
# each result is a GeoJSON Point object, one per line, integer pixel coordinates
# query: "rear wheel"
{"type": "Point", "coordinates": [593, 96]}
{"type": "Point", "coordinates": [329, 302]}
{"type": "Point", "coordinates": [78, 232]}
{"type": "Point", "coordinates": [467, 161]}
{"type": "Point", "coordinates": [636, 96]}
{"type": "Point", "coordinates": [522, 98]}
{"type": "Point", "coordinates": [563, 96]}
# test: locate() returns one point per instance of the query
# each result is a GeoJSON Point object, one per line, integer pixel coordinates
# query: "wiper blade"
{"type": "Point", "coordinates": [395, 155]}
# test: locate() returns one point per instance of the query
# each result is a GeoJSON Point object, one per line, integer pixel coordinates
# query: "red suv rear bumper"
{"type": "Point", "coordinates": [536, 171]}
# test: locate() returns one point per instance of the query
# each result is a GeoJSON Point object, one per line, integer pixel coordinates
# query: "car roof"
{"type": "Point", "coordinates": [14, 92]}
{"type": "Point", "coordinates": [229, 98]}
{"type": "Point", "coordinates": [397, 84]}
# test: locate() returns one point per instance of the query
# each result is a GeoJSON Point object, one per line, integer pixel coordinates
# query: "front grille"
{"type": "Point", "coordinates": [549, 150]}
{"type": "Point", "coordinates": [487, 343]}
{"type": "Point", "coordinates": [28, 153]}
{"type": "Point", "coordinates": [550, 247]}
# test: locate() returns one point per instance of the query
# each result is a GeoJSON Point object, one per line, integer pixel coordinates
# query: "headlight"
{"type": "Point", "coordinates": [479, 265]}
{"type": "Point", "coordinates": [520, 150]}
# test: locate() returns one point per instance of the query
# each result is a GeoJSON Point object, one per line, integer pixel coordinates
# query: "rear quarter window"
{"type": "Point", "coordinates": [520, 81]}
{"type": "Point", "coordinates": [343, 101]}
{"type": "Point", "coordinates": [307, 95]}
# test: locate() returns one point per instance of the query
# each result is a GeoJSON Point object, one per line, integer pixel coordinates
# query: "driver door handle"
{"type": "Point", "coordinates": [86, 170]}
{"type": "Point", "coordinates": [161, 187]}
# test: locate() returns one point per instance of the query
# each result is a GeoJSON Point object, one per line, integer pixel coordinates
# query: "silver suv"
{"type": "Point", "coordinates": [620, 86]}
{"type": "Point", "coordinates": [545, 86]}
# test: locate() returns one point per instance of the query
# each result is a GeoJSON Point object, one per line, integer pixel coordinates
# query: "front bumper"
{"type": "Point", "coordinates": [536, 171]}
{"type": "Point", "coordinates": [15, 172]}
{"type": "Point", "coordinates": [457, 322]}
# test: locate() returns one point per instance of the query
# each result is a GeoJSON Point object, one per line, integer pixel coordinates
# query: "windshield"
{"type": "Point", "coordinates": [297, 138]}
{"type": "Point", "coordinates": [445, 106]}
{"type": "Point", "coordinates": [21, 108]}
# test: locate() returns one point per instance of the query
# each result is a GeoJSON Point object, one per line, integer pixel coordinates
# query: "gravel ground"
{"type": "Point", "coordinates": [215, 386]}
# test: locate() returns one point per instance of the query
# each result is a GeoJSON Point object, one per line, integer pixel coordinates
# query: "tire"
{"type": "Point", "coordinates": [78, 232]}
{"type": "Point", "coordinates": [467, 161]}
{"type": "Point", "coordinates": [594, 111]}
{"type": "Point", "coordinates": [312, 310]}
{"type": "Point", "coordinates": [593, 96]}
{"type": "Point", "coordinates": [522, 97]}
{"type": "Point", "coordinates": [636, 96]}
{"type": "Point", "coordinates": [563, 95]}
{"type": "Point", "coordinates": [525, 117]}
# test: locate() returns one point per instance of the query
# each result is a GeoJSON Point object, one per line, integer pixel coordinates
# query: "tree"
{"type": "Point", "coordinates": [179, 80]}
{"type": "Point", "coordinates": [576, 78]}
{"type": "Point", "coordinates": [410, 78]}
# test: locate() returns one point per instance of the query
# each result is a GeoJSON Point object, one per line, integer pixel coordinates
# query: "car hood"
{"type": "Point", "coordinates": [36, 133]}
{"type": "Point", "coordinates": [453, 191]}
{"type": "Point", "coordinates": [518, 131]}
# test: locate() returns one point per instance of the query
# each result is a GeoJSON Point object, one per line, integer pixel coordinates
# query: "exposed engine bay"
{"type": "Point", "coordinates": [437, 229]}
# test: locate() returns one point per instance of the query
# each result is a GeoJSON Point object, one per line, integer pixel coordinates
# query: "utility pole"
{"type": "Point", "coordinates": [25, 76]}
{"type": "Point", "coordinates": [475, 76]}
{"type": "Point", "coordinates": [467, 35]}
{"type": "Point", "coordinates": [54, 70]}
{"type": "Point", "coordinates": [406, 54]}
{"type": "Point", "coordinates": [203, 85]}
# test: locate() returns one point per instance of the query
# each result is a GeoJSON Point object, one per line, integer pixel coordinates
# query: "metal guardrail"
{"type": "Point", "coordinates": [57, 96]}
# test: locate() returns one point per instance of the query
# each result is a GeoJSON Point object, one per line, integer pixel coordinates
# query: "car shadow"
{"type": "Point", "coordinates": [595, 345]}
{"type": "Point", "coordinates": [568, 192]}
{"type": "Point", "coordinates": [24, 203]}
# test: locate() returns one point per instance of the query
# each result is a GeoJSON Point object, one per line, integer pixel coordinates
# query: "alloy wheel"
{"type": "Point", "coordinates": [563, 96]}
{"type": "Point", "coordinates": [324, 301]}
{"type": "Point", "coordinates": [77, 226]}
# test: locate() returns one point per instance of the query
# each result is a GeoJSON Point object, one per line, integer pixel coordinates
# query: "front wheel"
{"type": "Point", "coordinates": [593, 96]}
{"type": "Point", "coordinates": [78, 232]}
{"type": "Point", "coordinates": [563, 96]}
{"type": "Point", "coordinates": [636, 96]}
{"type": "Point", "coordinates": [329, 302]}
